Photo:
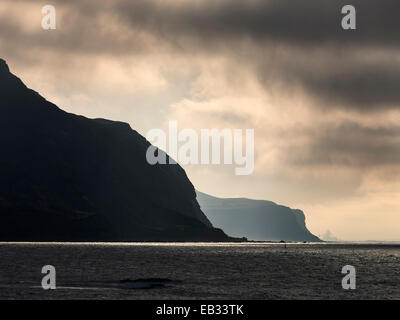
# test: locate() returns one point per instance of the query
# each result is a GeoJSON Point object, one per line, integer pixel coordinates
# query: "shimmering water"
{"type": "Point", "coordinates": [200, 270]}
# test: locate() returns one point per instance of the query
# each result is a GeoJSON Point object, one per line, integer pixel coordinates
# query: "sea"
{"type": "Point", "coordinates": [201, 271]}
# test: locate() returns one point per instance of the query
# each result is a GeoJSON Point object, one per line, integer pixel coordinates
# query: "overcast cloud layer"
{"type": "Point", "coordinates": [324, 102]}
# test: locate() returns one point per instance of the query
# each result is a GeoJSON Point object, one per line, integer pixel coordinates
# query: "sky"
{"type": "Point", "coordinates": [324, 102]}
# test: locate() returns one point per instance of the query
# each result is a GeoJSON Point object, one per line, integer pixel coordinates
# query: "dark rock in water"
{"type": "Point", "coordinates": [68, 178]}
{"type": "Point", "coordinates": [141, 285]}
{"type": "Point", "coordinates": [152, 280]}
{"type": "Point", "coordinates": [256, 219]}
{"type": "Point", "coordinates": [150, 283]}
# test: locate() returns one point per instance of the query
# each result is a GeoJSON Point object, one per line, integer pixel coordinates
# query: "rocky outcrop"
{"type": "Point", "coordinates": [64, 177]}
{"type": "Point", "coordinates": [255, 219]}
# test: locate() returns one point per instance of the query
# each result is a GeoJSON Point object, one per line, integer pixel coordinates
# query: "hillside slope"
{"type": "Point", "coordinates": [255, 219]}
{"type": "Point", "coordinates": [64, 177]}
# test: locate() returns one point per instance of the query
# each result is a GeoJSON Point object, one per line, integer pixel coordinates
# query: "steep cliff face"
{"type": "Point", "coordinates": [255, 219]}
{"type": "Point", "coordinates": [66, 177]}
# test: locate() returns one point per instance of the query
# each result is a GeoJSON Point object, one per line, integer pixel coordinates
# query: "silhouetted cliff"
{"type": "Point", "coordinates": [255, 219]}
{"type": "Point", "coordinates": [68, 178]}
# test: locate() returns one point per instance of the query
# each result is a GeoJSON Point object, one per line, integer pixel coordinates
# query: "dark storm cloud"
{"type": "Point", "coordinates": [367, 89]}
{"type": "Point", "coordinates": [364, 86]}
{"type": "Point", "coordinates": [79, 32]}
{"type": "Point", "coordinates": [246, 31]}
{"type": "Point", "coordinates": [307, 25]}
{"type": "Point", "coordinates": [306, 22]}
{"type": "Point", "coordinates": [302, 23]}
{"type": "Point", "coordinates": [351, 145]}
